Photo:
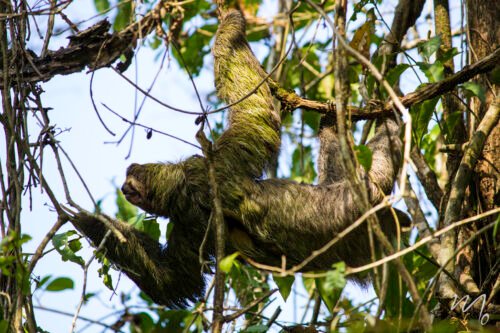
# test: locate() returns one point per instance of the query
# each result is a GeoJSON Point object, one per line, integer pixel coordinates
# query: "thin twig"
{"type": "Point", "coordinates": [235, 315]}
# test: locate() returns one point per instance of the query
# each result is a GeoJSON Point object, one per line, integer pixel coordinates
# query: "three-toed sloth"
{"type": "Point", "coordinates": [266, 219]}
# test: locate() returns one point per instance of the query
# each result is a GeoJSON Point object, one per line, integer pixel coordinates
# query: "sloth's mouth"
{"type": "Point", "coordinates": [132, 194]}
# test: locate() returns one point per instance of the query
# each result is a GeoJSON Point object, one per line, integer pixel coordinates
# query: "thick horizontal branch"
{"type": "Point", "coordinates": [93, 48]}
{"type": "Point", "coordinates": [292, 101]}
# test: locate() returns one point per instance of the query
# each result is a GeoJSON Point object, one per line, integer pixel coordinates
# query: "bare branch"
{"type": "Point", "coordinates": [292, 101]}
{"type": "Point", "coordinates": [93, 48]}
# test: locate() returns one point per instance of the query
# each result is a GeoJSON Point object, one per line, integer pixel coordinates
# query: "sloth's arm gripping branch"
{"type": "Point", "coordinates": [154, 269]}
{"type": "Point", "coordinates": [252, 139]}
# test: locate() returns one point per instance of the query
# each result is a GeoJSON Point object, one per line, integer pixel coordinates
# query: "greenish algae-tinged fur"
{"type": "Point", "coordinates": [266, 218]}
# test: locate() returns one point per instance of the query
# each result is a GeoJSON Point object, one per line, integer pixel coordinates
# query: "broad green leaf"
{"type": "Point", "coordinates": [495, 75]}
{"type": "Point", "coordinates": [423, 270]}
{"type": "Point", "coordinates": [142, 323]}
{"type": "Point", "coordinates": [126, 210]}
{"type": "Point", "coordinates": [124, 15]}
{"type": "Point", "coordinates": [61, 239]}
{"type": "Point", "coordinates": [396, 297]}
{"type": "Point", "coordinates": [429, 146]}
{"type": "Point", "coordinates": [429, 47]}
{"type": "Point", "coordinates": [476, 89]}
{"type": "Point", "coordinates": [170, 227]}
{"type": "Point", "coordinates": [394, 73]}
{"type": "Point", "coordinates": [336, 277]}
{"type": "Point", "coordinates": [13, 241]}
{"type": "Point", "coordinates": [88, 296]}
{"type": "Point", "coordinates": [67, 247]}
{"type": "Point", "coordinates": [227, 262]}
{"type": "Point", "coordinates": [445, 56]}
{"type": "Point", "coordinates": [247, 282]}
{"type": "Point", "coordinates": [284, 284]}
{"type": "Point", "coordinates": [312, 119]}
{"type": "Point", "coordinates": [148, 225]}
{"type": "Point", "coordinates": [421, 114]}
{"type": "Point", "coordinates": [434, 72]}
{"type": "Point", "coordinates": [364, 156]}
{"type": "Point", "coordinates": [104, 270]}
{"type": "Point", "coordinates": [193, 8]}
{"type": "Point", "coordinates": [43, 281]}
{"type": "Point", "coordinates": [4, 326]}
{"type": "Point", "coordinates": [194, 48]}
{"type": "Point", "coordinates": [60, 284]}
{"type": "Point", "coordinates": [101, 5]}
{"type": "Point", "coordinates": [303, 168]}
{"type": "Point", "coordinates": [325, 88]}
{"type": "Point", "coordinates": [330, 287]}
{"type": "Point", "coordinates": [309, 285]}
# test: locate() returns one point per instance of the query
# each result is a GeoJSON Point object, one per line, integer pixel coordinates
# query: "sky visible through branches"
{"type": "Point", "coordinates": [103, 164]}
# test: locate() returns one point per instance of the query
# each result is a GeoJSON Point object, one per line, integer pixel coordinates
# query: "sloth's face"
{"type": "Point", "coordinates": [134, 187]}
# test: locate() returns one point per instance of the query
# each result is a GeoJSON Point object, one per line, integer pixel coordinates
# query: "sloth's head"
{"type": "Point", "coordinates": [152, 186]}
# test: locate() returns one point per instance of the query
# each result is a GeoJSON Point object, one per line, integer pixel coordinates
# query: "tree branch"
{"type": "Point", "coordinates": [457, 193]}
{"type": "Point", "coordinates": [94, 48]}
{"type": "Point", "coordinates": [292, 101]}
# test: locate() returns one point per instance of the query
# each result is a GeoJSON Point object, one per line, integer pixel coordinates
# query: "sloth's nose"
{"type": "Point", "coordinates": [128, 189]}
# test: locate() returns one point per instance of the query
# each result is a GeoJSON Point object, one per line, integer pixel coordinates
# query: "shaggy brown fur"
{"type": "Point", "coordinates": [266, 219]}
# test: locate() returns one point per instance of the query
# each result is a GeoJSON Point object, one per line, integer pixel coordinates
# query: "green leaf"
{"type": "Point", "coordinates": [396, 300]}
{"type": "Point", "coordinates": [4, 326]}
{"type": "Point", "coordinates": [434, 72]}
{"type": "Point", "coordinates": [101, 5]}
{"type": "Point", "coordinates": [248, 283]}
{"type": "Point", "coordinates": [312, 119]}
{"type": "Point", "coordinates": [303, 168]}
{"type": "Point", "coordinates": [422, 114]}
{"type": "Point", "coordinates": [330, 287]}
{"type": "Point", "coordinates": [445, 56]}
{"type": "Point", "coordinates": [142, 323]}
{"type": "Point", "coordinates": [104, 270]}
{"type": "Point", "coordinates": [429, 47]}
{"type": "Point", "coordinates": [67, 247]}
{"type": "Point", "coordinates": [495, 75]}
{"type": "Point", "coordinates": [394, 73]}
{"type": "Point", "coordinates": [61, 239]}
{"type": "Point", "coordinates": [195, 47]}
{"type": "Point", "coordinates": [284, 284]}
{"type": "Point", "coordinates": [126, 210]}
{"type": "Point", "coordinates": [364, 156]}
{"type": "Point", "coordinates": [148, 225]}
{"type": "Point", "coordinates": [227, 262]}
{"type": "Point", "coordinates": [309, 285]}
{"type": "Point", "coordinates": [60, 284]}
{"type": "Point", "coordinates": [43, 281]}
{"type": "Point", "coordinates": [476, 89]}
{"type": "Point", "coordinates": [88, 296]}
{"type": "Point", "coordinates": [170, 227]}
{"type": "Point", "coordinates": [429, 146]}
{"type": "Point", "coordinates": [124, 15]}
{"type": "Point", "coordinates": [193, 8]}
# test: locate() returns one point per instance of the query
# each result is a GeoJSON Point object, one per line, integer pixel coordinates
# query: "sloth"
{"type": "Point", "coordinates": [265, 219]}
